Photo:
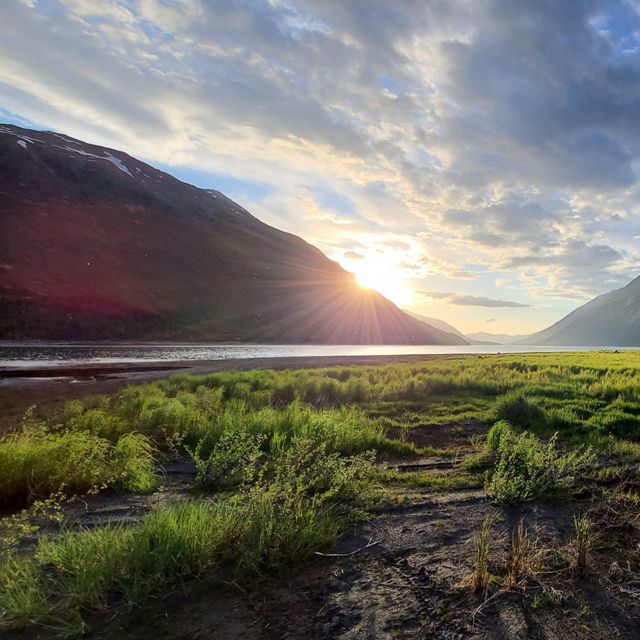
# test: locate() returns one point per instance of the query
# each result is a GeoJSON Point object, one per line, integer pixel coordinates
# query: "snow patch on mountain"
{"type": "Point", "coordinates": [116, 162]}
{"type": "Point", "coordinates": [18, 135]}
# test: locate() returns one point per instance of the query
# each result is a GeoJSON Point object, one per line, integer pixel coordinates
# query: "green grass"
{"type": "Point", "coordinates": [586, 397]}
{"type": "Point", "coordinates": [273, 523]}
{"type": "Point", "coordinates": [36, 465]}
{"type": "Point", "coordinates": [287, 459]}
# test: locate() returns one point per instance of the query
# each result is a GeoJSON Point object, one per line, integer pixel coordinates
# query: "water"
{"type": "Point", "coordinates": [30, 355]}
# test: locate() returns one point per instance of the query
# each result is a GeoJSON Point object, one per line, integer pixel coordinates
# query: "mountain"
{"type": "Point", "coordinates": [612, 319]}
{"type": "Point", "coordinates": [95, 244]}
{"type": "Point", "coordinates": [438, 324]}
{"type": "Point", "coordinates": [479, 337]}
{"type": "Point", "coordinates": [493, 338]}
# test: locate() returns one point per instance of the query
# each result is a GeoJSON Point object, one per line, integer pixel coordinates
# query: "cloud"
{"type": "Point", "coordinates": [398, 245]}
{"type": "Point", "coordinates": [472, 301]}
{"type": "Point", "coordinates": [352, 255]}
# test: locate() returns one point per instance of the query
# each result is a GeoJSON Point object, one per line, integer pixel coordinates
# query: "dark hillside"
{"type": "Point", "coordinates": [95, 244]}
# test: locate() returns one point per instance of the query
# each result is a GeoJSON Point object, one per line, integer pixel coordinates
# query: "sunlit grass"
{"type": "Point", "coordinates": [286, 459]}
{"type": "Point", "coordinates": [275, 521]}
{"type": "Point", "coordinates": [35, 465]}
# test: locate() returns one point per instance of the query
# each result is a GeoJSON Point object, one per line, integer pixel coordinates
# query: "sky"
{"type": "Point", "coordinates": [474, 160]}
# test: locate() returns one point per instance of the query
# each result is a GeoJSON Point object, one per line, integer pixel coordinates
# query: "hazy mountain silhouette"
{"type": "Point", "coordinates": [438, 324]}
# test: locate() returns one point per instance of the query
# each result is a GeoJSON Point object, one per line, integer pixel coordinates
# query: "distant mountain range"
{"type": "Point", "coordinates": [95, 245]}
{"type": "Point", "coordinates": [493, 338]}
{"type": "Point", "coordinates": [479, 337]}
{"type": "Point", "coordinates": [612, 319]}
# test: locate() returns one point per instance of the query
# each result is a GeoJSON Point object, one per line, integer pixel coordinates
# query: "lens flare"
{"type": "Point", "coordinates": [384, 277]}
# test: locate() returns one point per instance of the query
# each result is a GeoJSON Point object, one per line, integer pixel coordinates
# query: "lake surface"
{"type": "Point", "coordinates": [13, 355]}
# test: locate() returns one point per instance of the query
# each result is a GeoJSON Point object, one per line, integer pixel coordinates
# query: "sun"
{"type": "Point", "coordinates": [384, 277]}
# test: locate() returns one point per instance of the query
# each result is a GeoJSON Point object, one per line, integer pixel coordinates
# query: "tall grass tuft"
{"type": "Point", "coordinates": [481, 576]}
{"type": "Point", "coordinates": [585, 539]}
{"type": "Point", "coordinates": [35, 465]}
{"type": "Point", "coordinates": [522, 556]}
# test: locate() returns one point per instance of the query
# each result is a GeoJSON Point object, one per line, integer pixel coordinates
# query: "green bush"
{"type": "Point", "coordinates": [528, 469]}
{"type": "Point", "coordinates": [308, 468]}
{"type": "Point", "coordinates": [232, 460]}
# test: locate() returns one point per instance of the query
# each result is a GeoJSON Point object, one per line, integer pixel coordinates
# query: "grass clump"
{"type": "Point", "coordinates": [522, 556]}
{"type": "Point", "coordinates": [496, 433]}
{"type": "Point", "coordinates": [516, 408]}
{"type": "Point", "coordinates": [528, 468]}
{"type": "Point", "coordinates": [481, 577]}
{"type": "Point", "coordinates": [35, 465]}
{"type": "Point", "coordinates": [585, 539]}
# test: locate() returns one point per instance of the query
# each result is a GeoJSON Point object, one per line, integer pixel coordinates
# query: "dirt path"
{"type": "Point", "coordinates": [409, 585]}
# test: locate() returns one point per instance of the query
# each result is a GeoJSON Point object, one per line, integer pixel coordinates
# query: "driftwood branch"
{"type": "Point", "coordinates": [351, 553]}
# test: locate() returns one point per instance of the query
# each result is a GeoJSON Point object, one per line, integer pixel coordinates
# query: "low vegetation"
{"type": "Point", "coordinates": [285, 460]}
{"type": "Point", "coordinates": [269, 524]}
{"type": "Point", "coordinates": [529, 469]}
{"type": "Point", "coordinates": [481, 577]}
{"type": "Point", "coordinates": [35, 465]}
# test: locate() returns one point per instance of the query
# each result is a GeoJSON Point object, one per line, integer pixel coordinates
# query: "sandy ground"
{"type": "Point", "coordinates": [49, 388]}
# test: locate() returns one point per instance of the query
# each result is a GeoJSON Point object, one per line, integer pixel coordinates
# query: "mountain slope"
{"type": "Point", "coordinates": [95, 244]}
{"type": "Point", "coordinates": [437, 324]}
{"type": "Point", "coordinates": [612, 319]}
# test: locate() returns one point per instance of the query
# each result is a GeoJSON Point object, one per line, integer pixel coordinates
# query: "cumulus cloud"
{"type": "Point", "coordinates": [500, 139]}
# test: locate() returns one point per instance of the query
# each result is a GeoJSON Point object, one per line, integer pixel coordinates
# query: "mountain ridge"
{"type": "Point", "coordinates": [96, 244]}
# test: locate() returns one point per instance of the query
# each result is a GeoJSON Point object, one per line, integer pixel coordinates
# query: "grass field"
{"type": "Point", "coordinates": [285, 461]}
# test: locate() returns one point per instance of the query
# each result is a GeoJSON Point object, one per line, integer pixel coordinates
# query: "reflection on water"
{"type": "Point", "coordinates": [38, 354]}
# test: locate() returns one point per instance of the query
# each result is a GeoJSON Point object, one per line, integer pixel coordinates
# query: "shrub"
{"type": "Point", "coordinates": [232, 460]}
{"type": "Point", "coordinates": [308, 468]}
{"type": "Point", "coordinates": [528, 469]}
